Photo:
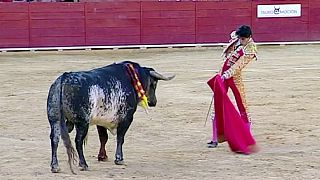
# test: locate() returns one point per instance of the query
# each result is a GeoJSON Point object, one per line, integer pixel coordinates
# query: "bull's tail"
{"type": "Point", "coordinates": [64, 132]}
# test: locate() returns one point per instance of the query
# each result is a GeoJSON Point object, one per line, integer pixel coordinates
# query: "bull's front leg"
{"type": "Point", "coordinates": [119, 153]}
{"type": "Point", "coordinates": [82, 130]}
{"type": "Point", "coordinates": [121, 131]}
{"type": "Point", "coordinates": [103, 137]}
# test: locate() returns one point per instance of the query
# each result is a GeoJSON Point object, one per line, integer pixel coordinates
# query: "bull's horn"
{"type": "Point", "coordinates": [160, 76]}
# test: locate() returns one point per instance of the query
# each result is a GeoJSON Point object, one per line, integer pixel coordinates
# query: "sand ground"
{"type": "Point", "coordinates": [283, 91]}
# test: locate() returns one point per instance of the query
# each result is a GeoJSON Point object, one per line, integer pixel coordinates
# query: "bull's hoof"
{"type": "Point", "coordinates": [55, 170]}
{"type": "Point", "coordinates": [103, 158]}
{"type": "Point", "coordinates": [119, 162]}
{"type": "Point", "coordinates": [83, 168]}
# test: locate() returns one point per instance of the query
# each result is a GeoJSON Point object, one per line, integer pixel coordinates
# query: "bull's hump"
{"type": "Point", "coordinates": [107, 105]}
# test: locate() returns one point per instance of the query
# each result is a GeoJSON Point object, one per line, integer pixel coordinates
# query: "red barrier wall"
{"type": "Point", "coordinates": [149, 22]}
{"type": "Point", "coordinates": [14, 25]}
{"type": "Point", "coordinates": [281, 29]}
{"type": "Point", "coordinates": [167, 22]}
{"type": "Point", "coordinates": [314, 20]}
{"type": "Point", "coordinates": [113, 23]}
{"type": "Point", "coordinates": [216, 20]}
{"type": "Point", "coordinates": [57, 24]}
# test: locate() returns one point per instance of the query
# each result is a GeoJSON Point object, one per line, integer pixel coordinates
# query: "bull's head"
{"type": "Point", "coordinates": [151, 84]}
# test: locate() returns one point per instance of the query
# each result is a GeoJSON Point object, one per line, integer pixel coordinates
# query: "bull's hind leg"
{"type": "Point", "coordinates": [103, 137]}
{"type": "Point", "coordinates": [70, 126]}
{"type": "Point", "coordinates": [82, 130]}
{"type": "Point", "coordinates": [55, 137]}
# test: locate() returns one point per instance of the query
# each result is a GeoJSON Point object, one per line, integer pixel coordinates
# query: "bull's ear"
{"type": "Point", "coordinates": [160, 76]}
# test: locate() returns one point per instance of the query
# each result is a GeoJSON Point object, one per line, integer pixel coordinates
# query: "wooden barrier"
{"type": "Point", "coordinates": [14, 25]}
{"type": "Point", "coordinates": [113, 23]}
{"type": "Point", "coordinates": [281, 29]}
{"type": "Point", "coordinates": [57, 24]}
{"type": "Point", "coordinates": [314, 21]}
{"type": "Point", "coordinates": [167, 22]}
{"type": "Point", "coordinates": [216, 20]}
{"type": "Point", "coordinates": [145, 22]}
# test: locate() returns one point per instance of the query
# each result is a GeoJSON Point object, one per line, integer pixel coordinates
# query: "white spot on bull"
{"type": "Point", "coordinates": [107, 108]}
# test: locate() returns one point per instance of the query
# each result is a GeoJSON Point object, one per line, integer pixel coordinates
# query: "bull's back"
{"type": "Point", "coordinates": [105, 95]}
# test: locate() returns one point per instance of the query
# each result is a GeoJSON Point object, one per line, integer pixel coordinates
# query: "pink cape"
{"type": "Point", "coordinates": [230, 126]}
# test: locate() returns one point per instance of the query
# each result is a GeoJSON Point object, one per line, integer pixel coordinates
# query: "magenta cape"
{"type": "Point", "coordinates": [230, 126]}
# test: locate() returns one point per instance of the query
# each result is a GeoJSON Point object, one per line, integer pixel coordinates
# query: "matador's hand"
{"type": "Point", "coordinates": [222, 78]}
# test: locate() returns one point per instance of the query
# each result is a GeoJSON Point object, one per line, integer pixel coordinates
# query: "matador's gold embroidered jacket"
{"type": "Point", "coordinates": [236, 57]}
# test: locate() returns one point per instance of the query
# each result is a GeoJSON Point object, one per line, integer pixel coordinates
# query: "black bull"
{"type": "Point", "coordinates": [105, 97]}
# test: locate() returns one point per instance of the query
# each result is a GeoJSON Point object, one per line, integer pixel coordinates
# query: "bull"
{"type": "Point", "coordinates": [105, 97]}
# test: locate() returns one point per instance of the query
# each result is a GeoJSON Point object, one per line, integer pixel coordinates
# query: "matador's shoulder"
{"type": "Point", "coordinates": [251, 48]}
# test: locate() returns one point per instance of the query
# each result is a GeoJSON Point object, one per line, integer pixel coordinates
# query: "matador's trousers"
{"type": "Point", "coordinates": [236, 85]}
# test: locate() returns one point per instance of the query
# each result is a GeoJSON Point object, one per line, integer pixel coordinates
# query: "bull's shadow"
{"type": "Point", "coordinates": [106, 97]}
